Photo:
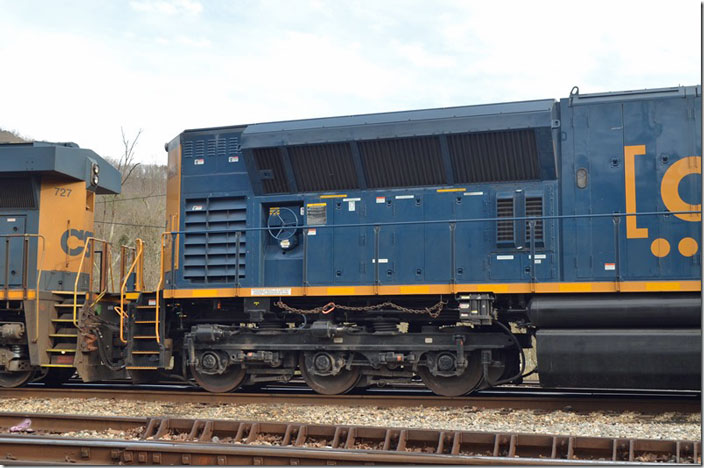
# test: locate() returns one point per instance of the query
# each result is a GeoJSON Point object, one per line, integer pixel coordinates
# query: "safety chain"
{"type": "Point", "coordinates": [433, 311]}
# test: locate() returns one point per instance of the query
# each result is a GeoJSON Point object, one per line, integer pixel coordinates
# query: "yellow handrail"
{"type": "Point", "coordinates": [121, 310]}
{"type": "Point", "coordinates": [89, 241]}
{"type": "Point", "coordinates": [160, 284]}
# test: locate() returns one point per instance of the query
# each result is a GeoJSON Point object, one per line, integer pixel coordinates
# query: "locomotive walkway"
{"type": "Point", "coordinates": [31, 438]}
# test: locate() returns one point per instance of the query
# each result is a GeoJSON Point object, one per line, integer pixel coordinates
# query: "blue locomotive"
{"type": "Point", "coordinates": [371, 249]}
{"type": "Point", "coordinates": [378, 249]}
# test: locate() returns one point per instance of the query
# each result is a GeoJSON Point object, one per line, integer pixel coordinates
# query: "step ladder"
{"type": "Point", "coordinates": [63, 334]}
{"type": "Point", "coordinates": [145, 342]}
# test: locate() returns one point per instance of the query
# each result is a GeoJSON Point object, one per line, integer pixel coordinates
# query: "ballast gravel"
{"type": "Point", "coordinates": [676, 426]}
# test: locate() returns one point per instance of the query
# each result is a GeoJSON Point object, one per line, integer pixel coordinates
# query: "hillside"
{"type": "Point", "coordinates": [7, 136]}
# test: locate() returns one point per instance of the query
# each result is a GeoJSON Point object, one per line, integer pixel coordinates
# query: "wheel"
{"type": "Point", "coordinates": [456, 385]}
{"type": "Point", "coordinates": [337, 384]}
{"type": "Point", "coordinates": [58, 375]}
{"type": "Point", "coordinates": [15, 379]}
{"type": "Point", "coordinates": [220, 383]}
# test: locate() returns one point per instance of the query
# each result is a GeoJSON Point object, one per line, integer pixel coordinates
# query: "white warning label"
{"type": "Point", "coordinates": [271, 291]}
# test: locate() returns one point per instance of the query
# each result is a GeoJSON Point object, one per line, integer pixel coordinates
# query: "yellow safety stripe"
{"type": "Point", "coordinates": [399, 290]}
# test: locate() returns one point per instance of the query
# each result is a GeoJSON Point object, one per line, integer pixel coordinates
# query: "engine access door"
{"type": "Point", "coordinates": [11, 250]}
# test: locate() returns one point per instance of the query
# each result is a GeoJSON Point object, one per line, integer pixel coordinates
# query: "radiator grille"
{"type": "Point", "coordinates": [269, 159]}
{"type": "Point", "coordinates": [323, 167]}
{"type": "Point", "coordinates": [404, 162]}
{"type": "Point", "coordinates": [504, 229]}
{"type": "Point", "coordinates": [210, 244]}
{"type": "Point", "coordinates": [534, 207]}
{"type": "Point", "coordinates": [494, 156]}
{"type": "Point", "coordinates": [16, 193]}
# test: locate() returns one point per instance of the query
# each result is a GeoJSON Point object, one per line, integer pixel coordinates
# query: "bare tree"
{"type": "Point", "coordinates": [127, 165]}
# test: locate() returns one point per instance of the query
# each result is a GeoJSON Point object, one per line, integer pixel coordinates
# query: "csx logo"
{"type": "Point", "coordinates": [670, 193]}
{"type": "Point", "coordinates": [73, 241]}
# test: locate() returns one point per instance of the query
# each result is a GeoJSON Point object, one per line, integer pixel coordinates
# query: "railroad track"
{"type": "Point", "coordinates": [644, 402]}
{"type": "Point", "coordinates": [164, 441]}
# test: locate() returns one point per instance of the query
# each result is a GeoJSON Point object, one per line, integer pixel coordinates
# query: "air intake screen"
{"type": "Point", "coordinates": [504, 229]}
{"type": "Point", "coordinates": [323, 167]}
{"type": "Point", "coordinates": [269, 160]}
{"type": "Point", "coordinates": [16, 193]}
{"type": "Point", "coordinates": [534, 207]}
{"type": "Point", "coordinates": [405, 162]}
{"type": "Point", "coordinates": [494, 156]}
{"type": "Point", "coordinates": [212, 251]}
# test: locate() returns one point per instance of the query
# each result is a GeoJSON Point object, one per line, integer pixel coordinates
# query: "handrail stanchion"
{"type": "Point", "coordinates": [305, 262]}
{"type": "Point", "coordinates": [25, 265]}
{"type": "Point", "coordinates": [90, 243]}
{"type": "Point", "coordinates": [7, 268]}
{"type": "Point", "coordinates": [160, 284]}
{"type": "Point", "coordinates": [617, 252]}
{"type": "Point", "coordinates": [377, 280]}
{"type": "Point", "coordinates": [531, 233]}
{"type": "Point", "coordinates": [453, 259]}
{"type": "Point", "coordinates": [121, 310]}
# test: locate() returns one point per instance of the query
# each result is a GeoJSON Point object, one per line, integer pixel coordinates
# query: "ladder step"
{"type": "Point", "coordinates": [145, 321]}
{"type": "Point", "coordinates": [78, 305]}
{"type": "Point", "coordinates": [146, 307]}
{"type": "Point", "coordinates": [63, 335]}
{"type": "Point", "coordinates": [79, 293]}
{"type": "Point", "coordinates": [61, 350]}
{"type": "Point", "coordinates": [57, 320]}
{"type": "Point", "coordinates": [141, 368]}
{"type": "Point", "coordinates": [145, 352]}
{"type": "Point", "coordinates": [145, 337]}
{"type": "Point", "coordinates": [56, 365]}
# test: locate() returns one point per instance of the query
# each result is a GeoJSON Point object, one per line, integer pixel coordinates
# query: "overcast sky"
{"type": "Point", "coordinates": [80, 70]}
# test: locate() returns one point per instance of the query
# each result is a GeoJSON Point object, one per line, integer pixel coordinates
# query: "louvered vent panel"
{"type": "Point", "coordinates": [323, 167]}
{"type": "Point", "coordinates": [494, 156]}
{"type": "Point", "coordinates": [210, 148]}
{"type": "Point", "coordinates": [504, 229]}
{"type": "Point", "coordinates": [210, 244]}
{"type": "Point", "coordinates": [534, 207]}
{"type": "Point", "coordinates": [221, 146]}
{"type": "Point", "coordinates": [188, 149]}
{"type": "Point", "coordinates": [269, 159]}
{"type": "Point", "coordinates": [199, 151]}
{"type": "Point", "coordinates": [403, 162]}
{"type": "Point", "coordinates": [16, 193]}
{"type": "Point", "coordinates": [233, 146]}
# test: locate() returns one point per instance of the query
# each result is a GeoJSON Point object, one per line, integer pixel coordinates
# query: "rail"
{"type": "Point", "coordinates": [529, 226]}
{"type": "Point", "coordinates": [180, 441]}
{"type": "Point", "coordinates": [105, 270]}
{"type": "Point", "coordinates": [138, 260]}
